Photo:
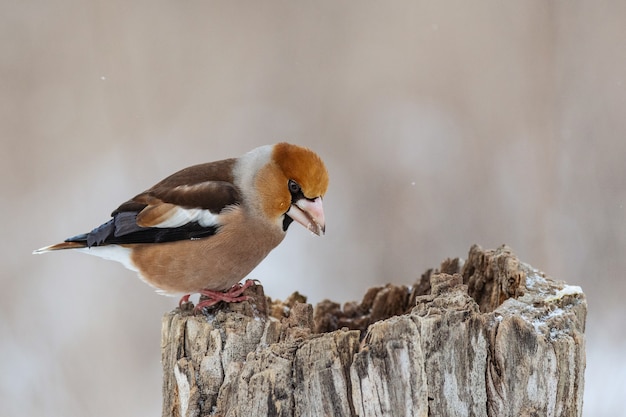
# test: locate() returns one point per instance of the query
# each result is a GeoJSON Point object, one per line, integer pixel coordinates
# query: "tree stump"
{"type": "Point", "coordinates": [488, 336]}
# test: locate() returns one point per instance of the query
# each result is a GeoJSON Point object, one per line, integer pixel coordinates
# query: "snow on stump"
{"type": "Point", "coordinates": [488, 336]}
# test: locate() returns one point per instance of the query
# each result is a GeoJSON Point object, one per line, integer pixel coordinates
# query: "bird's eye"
{"type": "Point", "coordinates": [294, 187]}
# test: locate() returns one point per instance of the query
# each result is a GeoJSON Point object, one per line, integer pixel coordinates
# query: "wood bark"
{"type": "Point", "coordinates": [488, 336]}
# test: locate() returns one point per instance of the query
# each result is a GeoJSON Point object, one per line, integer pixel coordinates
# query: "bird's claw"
{"type": "Point", "coordinates": [233, 295]}
{"type": "Point", "coordinates": [183, 300]}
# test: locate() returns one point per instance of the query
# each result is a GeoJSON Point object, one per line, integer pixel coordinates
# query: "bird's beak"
{"type": "Point", "coordinates": [309, 213]}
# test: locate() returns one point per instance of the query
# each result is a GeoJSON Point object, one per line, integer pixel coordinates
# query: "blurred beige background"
{"type": "Point", "coordinates": [442, 124]}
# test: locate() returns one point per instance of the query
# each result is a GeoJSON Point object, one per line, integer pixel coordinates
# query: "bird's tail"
{"type": "Point", "coordinates": [60, 246]}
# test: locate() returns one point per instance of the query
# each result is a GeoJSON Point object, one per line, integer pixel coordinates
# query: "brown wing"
{"type": "Point", "coordinates": [206, 186]}
{"type": "Point", "coordinates": [185, 205]}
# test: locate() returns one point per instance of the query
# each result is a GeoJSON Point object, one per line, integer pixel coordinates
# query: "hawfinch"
{"type": "Point", "coordinates": [204, 228]}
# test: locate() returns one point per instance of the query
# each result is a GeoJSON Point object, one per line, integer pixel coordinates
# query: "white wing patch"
{"type": "Point", "coordinates": [181, 216]}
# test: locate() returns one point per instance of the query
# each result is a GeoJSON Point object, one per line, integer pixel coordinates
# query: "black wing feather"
{"type": "Point", "coordinates": [123, 229]}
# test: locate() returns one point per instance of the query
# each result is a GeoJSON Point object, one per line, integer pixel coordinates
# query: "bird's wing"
{"type": "Point", "coordinates": [185, 205]}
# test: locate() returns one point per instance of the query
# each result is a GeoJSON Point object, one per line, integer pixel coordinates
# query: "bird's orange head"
{"type": "Point", "coordinates": [293, 184]}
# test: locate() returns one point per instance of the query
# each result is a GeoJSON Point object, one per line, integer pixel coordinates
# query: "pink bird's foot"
{"type": "Point", "coordinates": [183, 300]}
{"type": "Point", "coordinates": [233, 295]}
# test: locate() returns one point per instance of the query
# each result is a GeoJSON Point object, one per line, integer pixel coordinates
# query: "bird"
{"type": "Point", "coordinates": [206, 227]}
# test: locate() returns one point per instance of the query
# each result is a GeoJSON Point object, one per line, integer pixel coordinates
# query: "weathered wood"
{"type": "Point", "coordinates": [490, 336]}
